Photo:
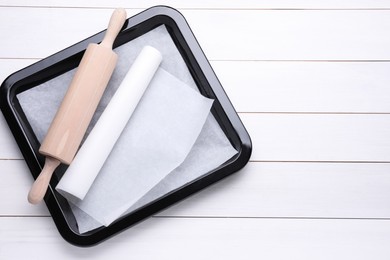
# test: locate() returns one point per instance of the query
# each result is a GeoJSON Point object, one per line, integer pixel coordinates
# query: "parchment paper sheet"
{"type": "Point", "coordinates": [155, 141]}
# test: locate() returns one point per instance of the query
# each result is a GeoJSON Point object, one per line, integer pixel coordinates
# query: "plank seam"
{"type": "Point", "coordinates": [325, 161]}
{"type": "Point", "coordinates": [225, 217]}
{"type": "Point", "coordinates": [241, 60]}
{"type": "Point", "coordinates": [314, 113]}
{"type": "Point", "coordinates": [201, 8]}
{"type": "Point", "coordinates": [287, 218]}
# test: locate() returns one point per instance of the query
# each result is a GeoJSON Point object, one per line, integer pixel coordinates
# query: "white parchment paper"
{"type": "Point", "coordinates": [156, 140]}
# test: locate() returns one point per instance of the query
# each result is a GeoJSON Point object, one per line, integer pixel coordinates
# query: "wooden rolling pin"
{"type": "Point", "coordinates": [78, 106]}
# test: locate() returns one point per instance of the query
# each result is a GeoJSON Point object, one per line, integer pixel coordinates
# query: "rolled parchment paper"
{"type": "Point", "coordinates": [93, 153]}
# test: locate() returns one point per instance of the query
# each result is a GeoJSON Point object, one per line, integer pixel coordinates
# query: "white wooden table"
{"type": "Point", "coordinates": [311, 82]}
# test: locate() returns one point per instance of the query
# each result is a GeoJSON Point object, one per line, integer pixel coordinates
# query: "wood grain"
{"type": "Point", "coordinates": [292, 87]}
{"type": "Point", "coordinates": [295, 190]}
{"type": "Point", "coordinates": [16, 185]}
{"type": "Point", "coordinates": [204, 4]}
{"type": "Point", "coordinates": [211, 238]}
{"type": "Point", "coordinates": [8, 146]}
{"type": "Point", "coordinates": [223, 34]}
{"type": "Point", "coordinates": [298, 190]}
{"type": "Point", "coordinates": [319, 137]}
{"type": "Point", "coordinates": [300, 87]}
{"type": "Point", "coordinates": [310, 79]}
{"type": "Point", "coordinates": [296, 137]}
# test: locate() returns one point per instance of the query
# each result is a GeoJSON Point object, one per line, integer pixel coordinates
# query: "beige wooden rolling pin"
{"type": "Point", "coordinates": [75, 113]}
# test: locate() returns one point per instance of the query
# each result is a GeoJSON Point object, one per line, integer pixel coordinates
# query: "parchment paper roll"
{"type": "Point", "coordinates": [90, 158]}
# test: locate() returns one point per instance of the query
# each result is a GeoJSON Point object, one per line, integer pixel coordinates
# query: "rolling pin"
{"type": "Point", "coordinates": [78, 106]}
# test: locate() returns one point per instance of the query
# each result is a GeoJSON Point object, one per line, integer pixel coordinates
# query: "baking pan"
{"type": "Point", "coordinates": [68, 59]}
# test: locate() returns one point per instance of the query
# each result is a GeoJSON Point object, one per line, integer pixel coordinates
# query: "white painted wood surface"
{"type": "Point", "coordinates": [198, 238]}
{"type": "Point", "coordinates": [223, 34]}
{"type": "Point", "coordinates": [362, 87]}
{"type": "Point", "coordinates": [311, 83]}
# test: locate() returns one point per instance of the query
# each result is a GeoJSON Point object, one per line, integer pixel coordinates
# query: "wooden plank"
{"type": "Point", "coordinates": [9, 66]}
{"type": "Point", "coordinates": [17, 181]}
{"type": "Point", "coordinates": [8, 146]}
{"type": "Point", "coordinates": [325, 87]}
{"type": "Point", "coordinates": [166, 238]}
{"type": "Point", "coordinates": [302, 190]}
{"type": "Point", "coordinates": [223, 34]}
{"type": "Point", "coordinates": [55, 29]}
{"type": "Point", "coordinates": [320, 190]}
{"type": "Point", "coordinates": [319, 137]}
{"type": "Point", "coordinates": [204, 4]}
{"type": "Point", "coordinates": [296, 137]}
{"type": "Point", "coordinates": [292, 35]}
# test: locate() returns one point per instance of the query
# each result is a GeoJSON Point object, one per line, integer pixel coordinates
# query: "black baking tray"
{"type": "Point", "coordinates": [68, 59]}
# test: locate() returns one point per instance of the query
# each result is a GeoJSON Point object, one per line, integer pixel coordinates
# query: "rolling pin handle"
{"type": "Point", "coordinates": [38, 190]}
{"type": "Point", "coordinates": [117, 20]}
